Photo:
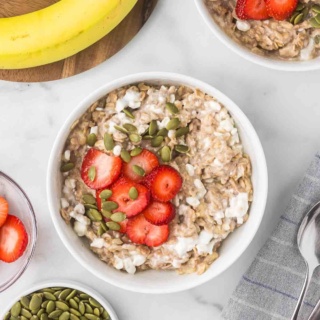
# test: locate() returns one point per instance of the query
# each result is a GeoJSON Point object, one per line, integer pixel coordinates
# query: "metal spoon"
{"type": "Point", "coordinates": [308, 240]}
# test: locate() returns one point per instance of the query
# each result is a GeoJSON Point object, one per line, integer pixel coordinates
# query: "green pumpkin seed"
{"type": "Point", "coordinates": [44, 304]}
{"type": "Point", "coordinates": [100, 231]}
{"type": "Point", "coordinates": [44, 317]}
{"type": "Point", "coordinates": [305, 12]}
{"type": "Point", "coordinates": [91, 139]}
{"type": "Point", "coordinates": [74, 292]}
{"type": "Point", "coordinates": [123, 130]}
{"type": "Point", "coordinates": [88, 308]}
{"type": "Point", "coordinates": [182, 131]}
{"type": "Point", "coordinates": [163, 132]}
{"type": "Point", "coordinates": [40, 312]}
{"type": "Point", "coordinates": [134, 137]}
{"type": "Point", "coordinates": [49, 296]}
{"type": "Point", "coordinates": [181, 148]}
{"type": "Point", "coordinates": [298, 19]}
{"type": "Point", "coordinates": [106, 213]}
{"type": "Point", "coordinates": [50, 306]}
{"type": "Point", "coordinates": [153, 127]}
{"type": "Point", "coordinates": [16, 309]}
{"type": "Point", "coordinates": [55, 314]}
{"type": "Point", "coordinates": [133, 193]}
{"type": "Point", "coordinates": [316, 8]}
{"type": "Point", "coordinates": [67, 167]}
{"type": "Point", "coordinates": [171, 107]}
{"type": "Point", "coordinates": [118, 217]}
{"type": "Point", "coordinates": [64, 293]}
{"type": "Point", "coordinates": [25, 301]}
{"type": "Point", "coordinates": [65, 316]}
{"type": "Point", "coordinates": [108, 141]}
{"type": "Point", "coordinates": [130, 127]}
{"type": "Point", "coordinates": [147, 137]}
{"type": "Point", "coordinates": [173, 124]}
{"type": "Point", "coordinates": [128, 113]}
{"type": "Point", "coordinates": [62, 306]}
{"type": "Point", "coordinates": [34, 318]}
{"type": "Point", "coordinates": [77, 299]}
{"type": "Point", "coordinates": [56, 294]}
{"type": "Point", "coordinates": [113, 225]}
{"type": "Point", "coordinates": [138, 170]}
{"type": "Point", "coordinates": [75, 312]}
{"type": "Point", "coordinates": [136, 151]}
{"type": "Point", "coordinates": [26, 313]}
{"type": "Point", "coordinates": [23, 318]}
{"type": "Point", "coordinates": [94, 215]}
{"type": "Point", "coordinates": [317, 17]}
{"type": "Point", "coordinates": [35, 302]}
{"type": "Point", "coordinates": [314, 23]}
{"type": "Point", "coordinates": [92, 173]}
{"type": "Point", "coordinates": [91, 316]}
{"type": "Point", "coordinates": [156, 141]}
{"type": "Point", "coordinates": [125, 156]}
{"type": "Point", "coordinates": [90, 206]}
{"type": "Point", "coordinates": [105, 315]}
{"type": "Point", "coordinates": [94, 303]}
{"type": "Point", "coordinates": [7, 316]}
{"type": "Point", "coordinates": [165, 154]}
{"type": "Point", "coordinates": [109, 205]}
{"type": "Point", "coordinates": [294, 15]}
{"type": "Point", "coordinates": [89, 199]}
{"type": "Point", "coordinates": [300, 7]}
{"type": "Point", "coordinates": [74, 317]}
{"type": "Point", "coordinates": [105, 194]}
{"type": "Point", "coordinates": [82, 308]}
{"type": "Point", "coordinates": [96, 312]}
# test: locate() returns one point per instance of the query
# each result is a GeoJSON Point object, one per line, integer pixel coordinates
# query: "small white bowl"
{"type": "Point", "coordinates": [67, 284]}
{"type": "Point", "coordinates": [161, 281]}
{"type": "Point", "coordinates": [313, 64]}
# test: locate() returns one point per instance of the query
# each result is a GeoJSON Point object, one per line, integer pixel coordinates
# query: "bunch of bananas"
{"type": "Point", "coordinates": [58, 31]}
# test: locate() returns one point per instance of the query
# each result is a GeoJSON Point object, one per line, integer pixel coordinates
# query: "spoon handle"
{"type": "Point", "coordinates": [315, 314]}
{"type": "Point", "coordinates": [302, 294]}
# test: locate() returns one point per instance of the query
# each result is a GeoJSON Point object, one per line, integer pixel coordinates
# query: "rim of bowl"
{"type": "Point", "coordinates": [162, 77]}
{"type": "Point", "coordinates": [33, 238]}
{"type": "Point", "coordinates": [68, 284]}
{"type": "Point", "coordinates": [270, 63]}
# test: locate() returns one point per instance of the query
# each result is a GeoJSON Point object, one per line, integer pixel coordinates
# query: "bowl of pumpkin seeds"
{"type": "Point", "coordinates": [62, 301]}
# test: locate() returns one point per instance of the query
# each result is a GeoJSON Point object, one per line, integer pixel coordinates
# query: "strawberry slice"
{"type": "Point", "coordinates": [252, 9]}
{"type": "Point", "coordinates": [123, 225]}
{"type": "Point", "coordinates": [146, 160]}
{"type": "Point", "coordinates": [120, 195]}
{"type": "Point", "coordinates": [13, 239]}
{"type": "Point", "coordinates": [164, 183]}
{"type": "Point", "coordinates": [4, 210]}
{"type": "Point", "coordinates": [159, 213]}
{"type": "Point", "coordinates": [140, 231]}
{"type": "Point", "coordinates": [104, 169]}
{"type": "Point", "coordinates": [281, 9]}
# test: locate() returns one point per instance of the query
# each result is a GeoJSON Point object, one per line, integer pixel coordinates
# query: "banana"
{"type": "Point", "coordinates": [58, 31]}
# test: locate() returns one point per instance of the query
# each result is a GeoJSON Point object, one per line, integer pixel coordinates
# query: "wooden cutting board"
{"type": "Point", "coordinates": [84, 60]}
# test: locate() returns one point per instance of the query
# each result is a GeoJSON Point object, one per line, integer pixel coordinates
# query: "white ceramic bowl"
{"type": "Point", "coordinates": [245, 53]}
{"type": "Point", "coordinates": [68, 284]}
{"type": "Point", "coordinates": [161, 281]}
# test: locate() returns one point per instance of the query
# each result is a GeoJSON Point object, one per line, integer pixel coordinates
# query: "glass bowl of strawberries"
{"type": "Point", "coordinates": [18, 231]}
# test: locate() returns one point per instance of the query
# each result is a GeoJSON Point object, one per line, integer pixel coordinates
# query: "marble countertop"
{"type": "Point", "coordinates": [283, 107]}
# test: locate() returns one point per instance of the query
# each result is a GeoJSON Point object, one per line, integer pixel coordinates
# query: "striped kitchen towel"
{"type": "Point", "coordinates": [271, 287]}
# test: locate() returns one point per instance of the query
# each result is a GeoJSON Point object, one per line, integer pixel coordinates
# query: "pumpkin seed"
{"type": "Point", "coordinates": [94, 215]}
{"type": "Point", "coordinates": [96, 312]}
{"type": "Point", "coordinates": [173, 124]}
{"type": "Point", "coordinates": [91, 316]}
{"type": "Point", "coordinates": [105, 314]}
{"type": "Point", "coordinates": [294, 15]}
{"type": "Point", "coordinates": [153, 127]}
{"type": "Point", "coordinates": [128, 113]}
{"type": "Point", "coordinates": [100, 231]}
{"type": "Point", "coordinates": [25, 301]}
{"type": "Point", "coordinates": [298, 18]}
{"type": "Point", "coordinates": [89, 199]}
{"type": "Point", "coordinates": [35, 302]}
{"type": "Point", "coordinates": [317, 17]}
{"type": "Point", "coordinates": [50, 306]}
{"type": "Point", "coordinates": [118, 217]}
{"type": "Point", "coordinates": [40, 312]}
{"type": "Point", "coordinates": [106, 213]}
{"type": "Point", "coordinates": [156, 141]}
{"type": "Point", "coordinates": [165, 154]}
{"type": "Point", "coordinates": [64, 293]}
{"type": "Point", "coordinates": [67, 167]}
{"type": "Point", "coordinates": [182, 131]}
{"type": "Point", "coordinates": [125, 156]}
{"type": "Point", "coordinates": [62, 306]}
{"type": "Point", "coordinates": [75, 312]}
{"type": "Point", "coordinates": [316, 8]}
{"type": "Point", "coordinates": [89, 308]}
{"type": "Point", "coordinates": [74, 292]}
{"type": "Point", "coordinates": [84, 296]}
{"type": "Point", "coordinates": [74, 317]}
{"type": "Point", "coordinates": [82, 308]}
{"type": "Point", "coordinates": [16, 309]}
{"type": "Point", "coordinates": [181, 148]}
{"type": "Point", "coordinates": [123, 130]}
{"type": "Point", "coordinates": [26, 313]}
{"type": "Point", "coordinates": [90, 206]}
{"type": "Point", "coordinates": [23, 318]}
{"type": "Point", "coordinates": [314, 23]}
{"type": "Point", "coordinates": [130, 127]}
{"type": "Point", "coordinates": [171, 107]}
{"type": "Point", "coordinates": [113, 225]}
{"type": "Point", "coordinates": [110, 206]}
{"type": "Point", "coordinates": [147, 137]}
{"type": "Point", "coordinates": [305, 12]}
{"type": "Point", "coordinates": [92, 173]}
{"type": "Point", "coordinates": [65, 316]}
{"type": "Point", "coordinates": [108, 141]}
{"type": "Point", "coordinates": [163, 132]}
{"type": "Point", "coordinates": [44, 317]}
{"type": "Point", "coordinates": [94, 303]}
{"type": "Point", "coordinates": [49, 296]}
{"type": "Point", "coordinates": [136, 151]}
{"type": "Point", "coordinates": [138, 170]}
{"type": "Point", "coordinates": [105, 194]}
{"type": "Point", "coordinates": [91, 139]}
{"type": "Point", "coordinates": [55, 314]}
{"type": "Point", "coordinates": [134, 137]}
{"type": "Point", "coordinates": [44, 304]}
{"type": "Point", "coordinates": [133, 193]}
{"type": "Point", "coordinates": [34, 318]}
{"type": "Point", "coordinates": [7, 316]}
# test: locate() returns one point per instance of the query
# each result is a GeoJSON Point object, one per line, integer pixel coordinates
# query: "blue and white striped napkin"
{"type": "Point", "coordinates": [271, 287]}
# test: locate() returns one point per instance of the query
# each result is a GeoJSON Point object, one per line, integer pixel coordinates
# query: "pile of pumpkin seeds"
{"type": "Point", "coordinates": [302, 12]}
{"type": "Point", "coordinates": [57, 303]}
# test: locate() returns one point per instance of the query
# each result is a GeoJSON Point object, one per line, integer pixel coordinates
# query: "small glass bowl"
{"type": "Point", "coordinates": [20, 206]}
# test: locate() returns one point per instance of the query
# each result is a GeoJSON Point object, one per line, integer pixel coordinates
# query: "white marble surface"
{"type": "Point", "coordinates": [283, 107]}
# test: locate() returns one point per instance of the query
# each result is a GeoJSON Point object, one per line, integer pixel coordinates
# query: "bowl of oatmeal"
{"type": "Point", "coordinates": [290, 42]}
{"type": "Point", "coordinates": [157, 183]}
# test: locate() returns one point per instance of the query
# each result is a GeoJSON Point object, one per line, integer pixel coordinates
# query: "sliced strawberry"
{"type": "Point", "coordinates": [281, 9]}
{"type": "Point", "coordinates": [120, 195]}
{"type": "Point", "coordinates": [98, 199]}
{"type": "Point", "coordinates": [107, 169]}
{"type": "Point", "coordinates": [4, 210]}
{"type": "Point", "coordinates": [159, 213]}
{"type": "Point", "coordinates": [123, 226]}
{"type": "Point", "coordinates": [252, 9]}
{"type": "Point", "coordinates": [140, 231]}
{"type": "Point", "coordinates": [13, 239]}
{"type": "Point", "coordinates": [164, 183]}
{"type": "Point", "coordinates": [146, 160]}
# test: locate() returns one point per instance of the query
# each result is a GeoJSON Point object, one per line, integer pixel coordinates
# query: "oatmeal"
{"type": "Point", "coordinates": [178, 180]}
{"type": "Point", "coordinates": [294, 38]}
